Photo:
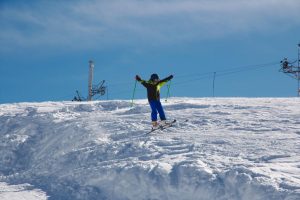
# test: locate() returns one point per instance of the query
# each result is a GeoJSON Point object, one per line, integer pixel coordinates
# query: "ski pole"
{"type": "Point", "coordinates": [133, 93]}
{"type": "Point", "coordinates": [168, 92]}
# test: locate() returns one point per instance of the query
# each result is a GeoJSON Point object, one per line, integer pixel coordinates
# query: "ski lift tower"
{"type": "Point", "coordinates": [91, 74]}
{"type": "Point", "coordinates": [291, 70]}
{"type": "Point", "coordinates": [93, 90]}
{"type": "Point", "coordinates": [298, 74]}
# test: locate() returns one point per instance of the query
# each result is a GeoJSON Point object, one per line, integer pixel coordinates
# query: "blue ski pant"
{"type": "Point", "coordinates": [156, 107]}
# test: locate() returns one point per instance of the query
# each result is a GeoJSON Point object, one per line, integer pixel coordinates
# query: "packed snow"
{"type": "Point", "coordinates": [20, 192]}
{"type": "Point", "coordinates": [219, 148]}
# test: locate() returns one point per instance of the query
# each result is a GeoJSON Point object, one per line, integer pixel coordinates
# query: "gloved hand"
{"type": "Point", "coordinates": [170, 77]}
{"type": "Point", "coordinates": [138, 78]}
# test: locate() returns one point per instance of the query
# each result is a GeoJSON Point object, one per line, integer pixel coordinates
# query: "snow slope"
{"type": "Point", "coordinates": [20, 192]}
{"type": "Point", "coordinates": [229, 149]}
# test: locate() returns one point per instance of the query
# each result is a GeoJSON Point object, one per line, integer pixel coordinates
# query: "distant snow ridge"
{"type": "Point", "coordinates": [229, 149]}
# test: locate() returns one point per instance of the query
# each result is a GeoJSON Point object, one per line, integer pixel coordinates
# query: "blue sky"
{"type": "Point", "coordinates": [45, 47]}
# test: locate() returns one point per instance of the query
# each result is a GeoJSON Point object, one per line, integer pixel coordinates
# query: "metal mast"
{"type": "Point", "coordinates": [91, 74]}
{"type": "Point", "coordinates": [298, 71]}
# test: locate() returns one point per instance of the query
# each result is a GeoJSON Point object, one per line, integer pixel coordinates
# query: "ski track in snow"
{"type": "Point", "coordinates": [230, 148]}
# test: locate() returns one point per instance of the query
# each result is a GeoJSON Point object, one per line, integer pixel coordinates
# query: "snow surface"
{"type": "Point", "coordinates": [20, 192]}
{"type": "Point", "coordinates": [229, 149]}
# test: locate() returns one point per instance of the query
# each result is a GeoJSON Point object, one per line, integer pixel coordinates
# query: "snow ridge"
{"type": "Point", "coordinates": [229, 149]}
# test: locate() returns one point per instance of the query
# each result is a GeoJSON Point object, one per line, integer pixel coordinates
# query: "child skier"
{"type": "Point", "coordinates": [153, 86]}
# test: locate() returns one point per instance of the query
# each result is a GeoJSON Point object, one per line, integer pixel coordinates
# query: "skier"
{"type": "Point", "coordinates": [153, 86]}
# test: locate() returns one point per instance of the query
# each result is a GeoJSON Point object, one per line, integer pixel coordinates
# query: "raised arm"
{"type": "Point", "coordinates": [165, 80]}
{"type": "Point", "coordinates": [143, 82]}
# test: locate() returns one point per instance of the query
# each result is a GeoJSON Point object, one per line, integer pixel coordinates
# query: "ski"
{"type": "Point", "coordinates": [162, 127]}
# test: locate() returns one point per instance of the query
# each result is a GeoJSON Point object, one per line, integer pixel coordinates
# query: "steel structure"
{"type": "Point", "coordinates": [290, 69]}
{"type": "Point", "coordinates": [91, 75]}
{"type": "Point", "coordinates": [93, 90]}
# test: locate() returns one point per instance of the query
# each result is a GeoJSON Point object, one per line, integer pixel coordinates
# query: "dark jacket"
{"type": "Point", "coordinates": [154, 88]}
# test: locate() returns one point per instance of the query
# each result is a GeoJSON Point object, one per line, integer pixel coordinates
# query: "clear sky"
{"type": "Point", "coordinates": [45, 47]}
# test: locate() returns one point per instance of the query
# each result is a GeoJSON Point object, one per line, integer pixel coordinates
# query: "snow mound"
{"type": "Point", "coordinates": [219, 148]}
{"type": "Point", "coordinates": [20, 192]}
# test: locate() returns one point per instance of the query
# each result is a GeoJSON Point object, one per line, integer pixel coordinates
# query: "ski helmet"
{"type": "Point", "coordinates": [154, 77]}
